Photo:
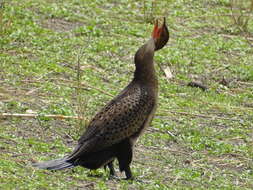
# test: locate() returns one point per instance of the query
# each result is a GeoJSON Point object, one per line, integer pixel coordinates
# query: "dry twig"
{"type": "Point", "coordinates": [199, 115]}
{"type": "Point", "coordinates": [35, 115]}
{"type": "Point", "coordinates": [81, 84]}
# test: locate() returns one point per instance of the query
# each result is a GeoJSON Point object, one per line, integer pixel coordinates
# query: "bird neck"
{"type": "Point", "coordinates": [146, 75]}
{"type": "Point", "coordinates": [144, 64]}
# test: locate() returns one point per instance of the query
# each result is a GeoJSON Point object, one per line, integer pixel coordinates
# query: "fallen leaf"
{"type": "Point", "coordinates": [168, 73]}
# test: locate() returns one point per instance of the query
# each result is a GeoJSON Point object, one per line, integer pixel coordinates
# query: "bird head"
{"type": "Point", "coordinates": [160, 34]}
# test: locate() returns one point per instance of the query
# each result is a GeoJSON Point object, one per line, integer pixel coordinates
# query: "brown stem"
{"type": "Point", "coordinates": [35, 115]}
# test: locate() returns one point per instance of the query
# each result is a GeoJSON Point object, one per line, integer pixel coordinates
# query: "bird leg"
{"type": "Point", "coordinates": [128, 173]}
{"type": "Point", "coordinates": [124, 157]}
{"type": "Point", "coordinates": [111, 170]}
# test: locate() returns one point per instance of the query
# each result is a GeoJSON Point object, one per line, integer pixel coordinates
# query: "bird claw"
{"type": "Point", "coordinates": [114, 177]}
{"type": "Point", "coordinates": [131, 179]}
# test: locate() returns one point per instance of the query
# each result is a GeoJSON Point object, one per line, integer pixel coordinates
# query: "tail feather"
{"type": "Point", "coordinates": [57, 164]}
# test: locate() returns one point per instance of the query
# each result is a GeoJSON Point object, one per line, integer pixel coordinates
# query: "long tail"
{"type": "Point", "coordinates": [57, 164]}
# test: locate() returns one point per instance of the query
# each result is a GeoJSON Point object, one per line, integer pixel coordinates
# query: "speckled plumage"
{"type": "Point", "coordinates": [120, 118]}
{"type": "Point", "coordinates": [114, 129]}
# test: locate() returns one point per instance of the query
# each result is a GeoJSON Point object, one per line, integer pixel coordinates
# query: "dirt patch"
{"type": "Point", "coordinates": [229, 162]}
{"type": "Point", "coordinates": [60, 25]}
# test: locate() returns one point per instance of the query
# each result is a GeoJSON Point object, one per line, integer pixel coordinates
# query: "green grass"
{"type": "Point", "coordinates": [197, 140]}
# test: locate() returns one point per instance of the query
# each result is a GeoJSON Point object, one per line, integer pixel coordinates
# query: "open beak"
{"type": "Point", "coordinates": [158, 30]}
{"type": "Point", "coordinates": [160, 34]}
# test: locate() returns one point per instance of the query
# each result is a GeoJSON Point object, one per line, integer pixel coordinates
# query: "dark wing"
{"type": "Point", "coordinates": [120, 119]}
